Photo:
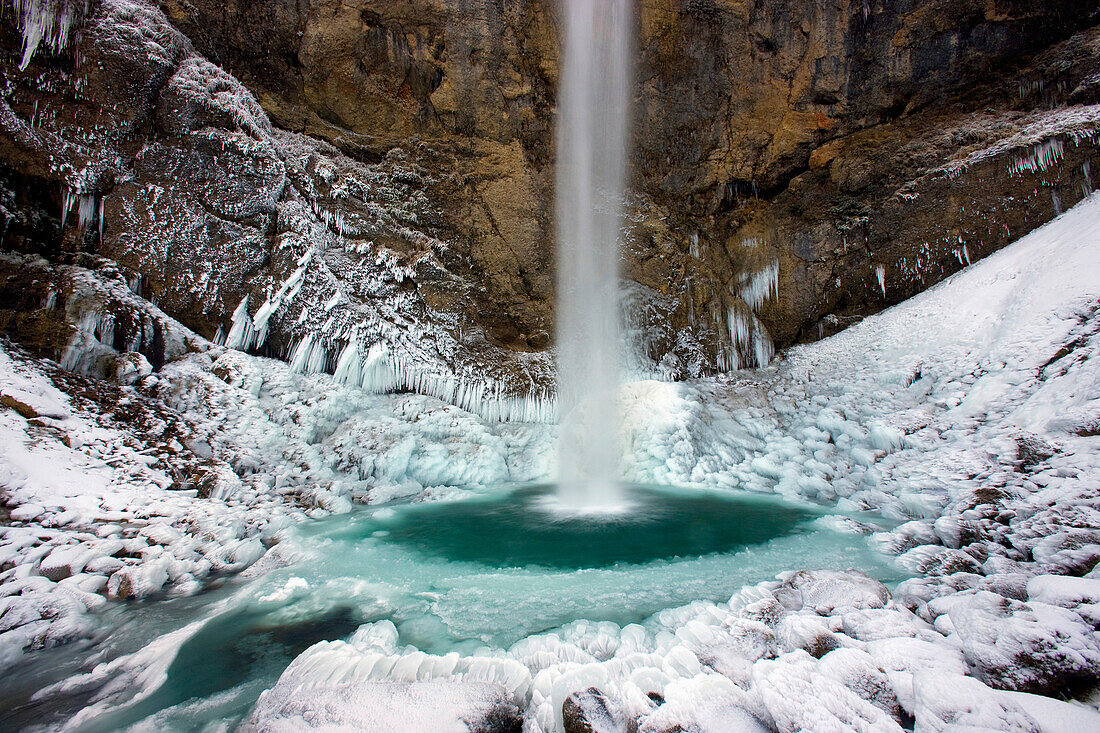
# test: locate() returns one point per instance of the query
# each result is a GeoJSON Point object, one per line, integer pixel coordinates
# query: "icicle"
{"type": "Point", "coordinates": [318, 359]}
{"type": "Point", "coordinates": [749, 337]}
{"type": "Point", "coordinates": [300, 354]}
{"type": "Point", "coordinates": [241, 334]}
{"type": "Point", "coordinates": [284, 296]}
{"type": "Point", "coordinates": [66, 205]}
{"type": "Point", "coordinates": [102, 199]}
{"type": "Point", "coordinates": [880, 273]}
{"type": "Point", "coordinates": [760, 286]}
{"type": "Point", "coordinates": [348, 366]}
{"type": "Point", "coordinates": [51, 21]}
{"type": "Point", "coordinates": [85, 210]}
{"type": "Point", "coordinates": [378, 373]}
{"type": "Point", "coordinates": [1040, 157]}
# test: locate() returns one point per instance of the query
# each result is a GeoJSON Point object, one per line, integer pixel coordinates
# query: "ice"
{"type": "Point", "coordinates": [998, 634]}
{"type": "Point", "coordinates": [947, 702]}
{"type": "Point", "coordinates": [51, 21]}
{"type": "Point", "coordinates": [965, 416]}
{"type": "Point", "coordinates": [1077, 594]}
{"type": "Point", "coordinates": [761, 286]}
{"type": "Point", "coordinates": [1051, 714]}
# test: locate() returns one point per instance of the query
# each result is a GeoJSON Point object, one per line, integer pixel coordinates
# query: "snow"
{"type": "Point", "coordinates": [965, 417]}
{"type": "Point", "coordinates": [1052, 715]}
{"type": "Point", "coordinates": [413, 707]}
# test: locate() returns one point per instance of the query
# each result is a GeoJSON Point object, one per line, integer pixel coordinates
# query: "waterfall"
{"type": "Point", "coordinates": [593, 103]}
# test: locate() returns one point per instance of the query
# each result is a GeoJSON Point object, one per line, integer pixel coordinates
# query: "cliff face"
{"type": "Point", "coordinates": [376, 172]}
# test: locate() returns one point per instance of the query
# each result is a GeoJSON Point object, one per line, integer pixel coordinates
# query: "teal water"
{"type": "Point", "coordinates": [523, 528]}
{"type": "Point", "coordinates": [486, 570]}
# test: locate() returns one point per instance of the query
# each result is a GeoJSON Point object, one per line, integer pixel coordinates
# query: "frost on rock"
{"type": "Point", "coordinates": [953, 702]}
{"type": "Point", "coordinates": [826, 592]}
{"type": "Point", "coordinates": [1030, 647]}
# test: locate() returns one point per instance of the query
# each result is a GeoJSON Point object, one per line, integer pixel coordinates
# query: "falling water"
{"type": "Point", "coordinates": [592, 132]}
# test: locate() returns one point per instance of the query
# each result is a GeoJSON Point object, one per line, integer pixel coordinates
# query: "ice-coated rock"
{"type": "Point", "coordinates": [1029, 647]}
{"type": "Point", "coordinates": [900, 658]}
{"type": "Point", "coordinates": [1077, 594]}
{"type": "Point", "coordinates": [138, 581]}
{"type": "Point", "coordinates": [707, 704]}
{"type": "Point", "coordinates": [1053, 716]}
{"type": "Point", "coordinates": [799, 698]}
{"type": "Point", "coordinates": [827, 591]}
{"type": "Point", "coordinates": [435, 706]}
{"type": "Point", "coordinates": [591, 711]}
{"type": "Point", "coordinates": [810, 633]}
{"type": "Point", "coordinates": [946, 702]}
{"type": "Point", "coordinates": [883, 623]}
{"type": "Point", "coordinates": [857, 671]}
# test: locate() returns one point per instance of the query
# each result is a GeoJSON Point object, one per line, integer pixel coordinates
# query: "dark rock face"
{"type": "Point", "coordinates": [381, 172]}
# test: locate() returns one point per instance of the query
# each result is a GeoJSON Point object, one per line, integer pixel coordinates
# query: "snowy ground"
{"type": "Point", "coordinates": [970, 415]}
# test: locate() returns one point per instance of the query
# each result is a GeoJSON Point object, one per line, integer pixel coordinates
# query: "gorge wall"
{"type": "Point", "coordinates": [366, 186]}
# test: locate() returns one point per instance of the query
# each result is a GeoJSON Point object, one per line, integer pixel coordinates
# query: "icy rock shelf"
{"type": "Point", "coordinates": [969, 414]}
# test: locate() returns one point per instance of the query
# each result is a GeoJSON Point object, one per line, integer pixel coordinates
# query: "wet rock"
{"type": "Point", "coordinates": [590, 711]}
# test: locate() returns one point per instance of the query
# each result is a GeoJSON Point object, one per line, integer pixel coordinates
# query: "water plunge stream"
{"type": "Point", "coordinates": [593, 103]}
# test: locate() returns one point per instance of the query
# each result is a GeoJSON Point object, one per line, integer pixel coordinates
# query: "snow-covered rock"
{"type": "Point", "coordinates": [433, 706]}
{"type": "Point", "coordinates": [1029, 647]}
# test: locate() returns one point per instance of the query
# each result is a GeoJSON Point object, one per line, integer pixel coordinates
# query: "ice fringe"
{"type": "Point", "coordinates": [376, 369]}
{"type": "Point", "coordinates": [51, 21]}
{"type": "Point", "coordinates": [758, 287]}
{"type": "Point", "coordinates": [751, 346]}
{"type": "Point", "coordinates": [1040, 157]}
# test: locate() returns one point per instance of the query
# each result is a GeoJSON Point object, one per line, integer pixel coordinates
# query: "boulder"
{"type": "Point", "coordinates": [590, 711]}
{"type": "Point", "coordinates": [1028, 647]}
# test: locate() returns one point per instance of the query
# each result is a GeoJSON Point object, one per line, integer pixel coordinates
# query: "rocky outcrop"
{"type": "Point", "coordinates": [317, 179]}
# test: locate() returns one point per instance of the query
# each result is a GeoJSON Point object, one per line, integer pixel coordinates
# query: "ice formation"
{"type": "Point", "coordinates": [52, 21]}
{"type": "Point", "coordinates": [758, 287]}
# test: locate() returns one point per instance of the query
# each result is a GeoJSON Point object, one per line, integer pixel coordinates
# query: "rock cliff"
{"type": "Point", "coordinates": [366, 187]}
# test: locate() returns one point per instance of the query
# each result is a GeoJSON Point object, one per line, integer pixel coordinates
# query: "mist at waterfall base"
{"type": "Point", "coordinates": [593, 120]}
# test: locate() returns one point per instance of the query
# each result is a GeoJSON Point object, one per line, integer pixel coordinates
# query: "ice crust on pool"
{"type": "Point", "coordinates": [970, 413]}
